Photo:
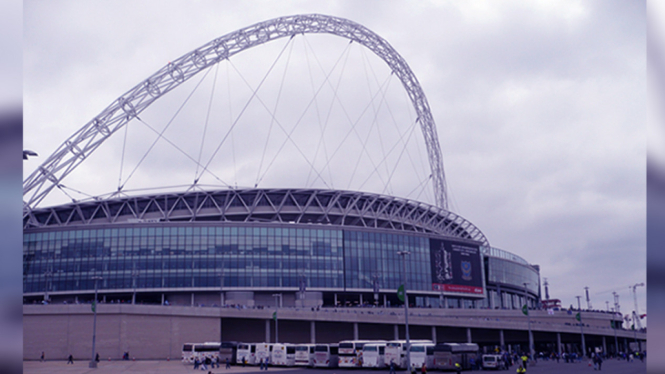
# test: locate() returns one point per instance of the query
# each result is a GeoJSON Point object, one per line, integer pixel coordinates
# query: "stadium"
{"type": "Point", "coordinates": [212, 265]}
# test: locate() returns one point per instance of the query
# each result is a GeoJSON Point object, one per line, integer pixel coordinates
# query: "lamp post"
{"type": "Point", "coordinates": [406, 310]}
{"type": "Point", "coordinates": [615, 311]}
{"type": "Point", "coordinates": [579, 308]}
{"type": "Point", "coordinates": [526, 311]}
{"type": "Point", "coordinates": [135, 274]}
{"type": "Point", "coordinates": [47, 274]}
{"type": "Point", "coordinates": [93, 363]}
{"type": "Point", "coordinates": [277, 296]}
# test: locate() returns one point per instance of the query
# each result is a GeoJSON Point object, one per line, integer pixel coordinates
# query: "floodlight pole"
{"type": "Point", "coordinates": [93, 363]}
{"type": "Point", "coordinates": [615, 313]}
{"type": "Point", "coordinates": [579, 308]}
{"type": "Point", "coordinates": [406, 311]}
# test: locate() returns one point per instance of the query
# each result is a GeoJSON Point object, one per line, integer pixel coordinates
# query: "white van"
{"type": "Point", "coordinates": [493, 362]}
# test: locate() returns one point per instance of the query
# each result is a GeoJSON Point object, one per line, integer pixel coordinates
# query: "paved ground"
{"type": "Point", "coordinates": [172, 367]}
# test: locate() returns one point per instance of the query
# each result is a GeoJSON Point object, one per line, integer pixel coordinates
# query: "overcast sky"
{"type": "Point", "coordinates": [539, 106]}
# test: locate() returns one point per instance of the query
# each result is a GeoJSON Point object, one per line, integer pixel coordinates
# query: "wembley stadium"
{"type": "Point", "coordinates": [150, 272]}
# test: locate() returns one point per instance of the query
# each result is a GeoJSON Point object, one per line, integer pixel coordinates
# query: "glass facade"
{"type": "Point", "coordinates": [190, 256]}
{"type": "Point", "coordinates": [512, 274]}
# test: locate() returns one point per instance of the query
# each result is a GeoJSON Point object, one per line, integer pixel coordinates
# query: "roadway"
{"type": "Point", "coordinates": [173, 367]}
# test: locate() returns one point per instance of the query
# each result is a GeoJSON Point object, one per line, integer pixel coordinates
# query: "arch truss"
{"type": "Point", "coordinates": [128, 106]}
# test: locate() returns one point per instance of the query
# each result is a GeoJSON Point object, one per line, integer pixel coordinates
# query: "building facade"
{"type": "Point", "coordinates": [240, 247]}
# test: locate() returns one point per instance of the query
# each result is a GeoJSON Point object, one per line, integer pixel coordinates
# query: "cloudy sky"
{"type": "Point", "coordinates": [539, 106]}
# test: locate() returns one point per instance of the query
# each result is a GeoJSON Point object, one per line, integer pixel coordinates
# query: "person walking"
{"type": "Point", "coordinates": [97, 357]}
{"type": "Point", "coordinates": [42, 357]}
{"type": "Point", "coordinates": [423, 369]}
{"type": "Point", "coordinates": [458, 368]}
{"type": "Point", "coordinates": [228, 363]}
{"type": "Point", "coordinates": [521, 370]}
{"type": "Point", "coordinates": [392, 366]}
{"type": "Point", "coordinates": [196, 363]}
{"type": "Point", "coordinates": [70, 360]}
{"type": "Point", "coordinates": [524, 360]}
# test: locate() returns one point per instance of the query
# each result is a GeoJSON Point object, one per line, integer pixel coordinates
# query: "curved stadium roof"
{"type": "Point", "coordinates": [324, 207]}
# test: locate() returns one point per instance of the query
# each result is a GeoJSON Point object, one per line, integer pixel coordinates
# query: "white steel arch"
{"type": "Point", "coordinates": [84, 141]}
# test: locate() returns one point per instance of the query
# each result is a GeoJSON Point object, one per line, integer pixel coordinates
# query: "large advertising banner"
{"type": "Point", "coordinates": [456, 267]}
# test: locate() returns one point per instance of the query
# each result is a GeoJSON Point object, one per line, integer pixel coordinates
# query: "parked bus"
{"type": "Point", "coordinates": [374, 355]}
{"type": "Point", "coordinates": [283, 354]}
{"type": "Point", "coordinates": [192, 351]}
{"type": "Point", "coordinates": [351, 352]}
{"type": "Point", "coordinates": [422, 353]}
{"type": "Point", "coordinates": [304, 355]}
{"type": "Point", "coordinates": [447, 354]}
{"type": "Point", "coordinates": [325, 355]}
{"type": "Point", "coordinates": [246, 351]}
{"type": "Point", "coordinates": [396, 351]}
{"type": "Point", "coordinates": [263, 352]}
{"type": "Point", "coordinates": [228, 350]}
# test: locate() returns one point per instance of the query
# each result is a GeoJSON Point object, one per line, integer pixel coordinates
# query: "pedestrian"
{"type": "Point", "coordinates": [392, 366]}
{"type": "Point", "coordinates": [524, 359]}
{"type": "Point", "coordinates": [244, 361]}
{"type": "Point", "coordinates": [70, 360]}
{"type": "Point", "coordinates": [42, 357]}
{"type": "Point", "coordinates": [267, 362]}
{"type": "Point", "coordinates": [521, 370]}
{"type": "Point", "coordinates": [204, 363]}
{"type": "Point", "coordinates": [228, 363]}
{"type": "Point", "coordinates": [97, 357]}
{"type": "Point", "coordinates": [423, 369]}
{"type": "Point", "coordinates": [600, 362]}
{"type": "Point", "coordinates": [458, 368]}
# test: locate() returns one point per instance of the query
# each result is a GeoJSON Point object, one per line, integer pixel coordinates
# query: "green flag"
{"type": "Point", "coordinates": [274, 316]}
{"type": "Point", "coordinates": [578, 316]}
{"type": "Point", "coordinates": [94, 305]}
{"type": "Point", "coordinates": [612, 324]}
{"type": "Point", "coordinates": [400, 293]}
{"type": "Point", "coordinates": [525, 310]}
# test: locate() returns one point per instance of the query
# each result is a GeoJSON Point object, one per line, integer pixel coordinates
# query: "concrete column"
{"type": "Point", "coordinates": [192, 304]}
{"type": "Point", "coordinates": [385, 300]}
{"type": "Point", "coordinates": [355, 331]}
{"type": "Point", "coordinates": [558, 342]}
{"type": "Point", "coordinates": [468, 335]}
{"type": "Point", "coordinates": [162, 299]}
{"type": "Point", "coordinates": [361, 299]}
{"type": "Point", "coordinates": [625, 344]}
{"type": "Point", "coordinates": [604, 345]}
{"type": "Point", "coordinates": [502, 341]}
{"type": "Point", "coordinates": [335, 299]}
{"type": "Point", "coordinates": [312, 332]}
{"type": "Point", "coordinates": [396, 332]}
{"type": "Point", "coordinates": [434, 334]}
{"type": "Point", "coordinates": [267, 331]}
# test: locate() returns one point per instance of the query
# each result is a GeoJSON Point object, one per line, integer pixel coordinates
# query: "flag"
{"type": "Point", "coordinates": [525, 310]}
{"type": "Point", "coordinates": [612, 324]}
{"type": "Point", "coordinates": [578, 316]}
{"type": "Point", "coordinates": [94, 305]}
{"type": "Point", "coordinates": [400, 293]}
{"type": "Point", "coordinates": [274, 316]}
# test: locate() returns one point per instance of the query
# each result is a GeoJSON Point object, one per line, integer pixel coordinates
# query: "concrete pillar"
{"type": "Point", "coordinates": [625, 344]}
{"type": "Point", "coordinates": [468, 335]}
{"type": "Point", "coordinates": [192, 303]}
{"type": "Point", "coordinates": [361, 299]}
{"type": "Point", "coordinates": [312, 332]}
{"type": "Point", "coordinates": [385, 300]}
{"type": "Point", "coordinates": [396, 332]}
{"type": "Point", "coordinates": [558, 342]}
{"type": "Point", "coordinates": [355, 331]}
{"type": "Point", "coordinates": [335, 299]}
{"type": "Point", "coordinates": [434, 334]}
{"type": "Point", "coordinates": [502, 341]}
{"type": "Point", "coordinates": [267, 331]}
{"type": "Point", "coordinates": [162, 299]}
